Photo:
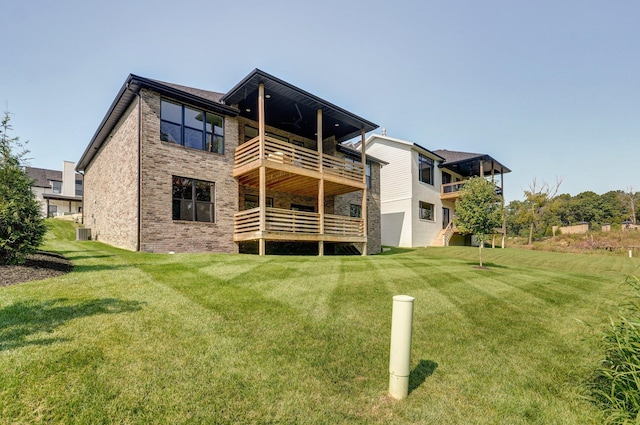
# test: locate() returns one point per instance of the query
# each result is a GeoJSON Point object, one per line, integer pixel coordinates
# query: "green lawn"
{"type": "Point", "coordinates": [198, 338]}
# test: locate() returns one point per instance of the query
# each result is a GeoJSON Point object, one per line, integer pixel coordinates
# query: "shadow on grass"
{"type": "Point", "coordinates": [420, 373]}
{"type": "Point", "coordinates": [395, 250]}
{"type": "Point", "coordinates": [82, 257]}
{"type": "Point", "coordinates": [100, 267]}
{"type": "Point", "coordinates": [486, 265]}
{"type": "Point", "coordinates": [20, 321]}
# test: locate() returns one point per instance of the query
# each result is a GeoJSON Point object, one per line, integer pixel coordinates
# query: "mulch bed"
{"type": "Point", "coordinates": [41, 265]}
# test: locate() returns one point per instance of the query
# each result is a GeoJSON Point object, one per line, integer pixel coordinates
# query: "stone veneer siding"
{"type": "Point", "coordinates": [111, 186]}
{"type": "Point", "coordinates": [163, 160]}
{"type": "Point", "coordinates": [342, 205]}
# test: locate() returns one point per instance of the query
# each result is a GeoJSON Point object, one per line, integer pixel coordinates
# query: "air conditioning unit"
{"type": "Point", "coordinates": [83, 234]}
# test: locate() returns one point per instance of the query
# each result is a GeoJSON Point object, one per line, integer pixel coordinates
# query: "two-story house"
{"type": "Point", "coordinates": [419, 189]}
{"type": "Point", "coordinates": [58, 192]}
{"type": "Point", "coordinates": [261, 168]}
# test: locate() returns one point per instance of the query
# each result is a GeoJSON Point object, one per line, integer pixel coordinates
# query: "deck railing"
{"type": "Point", "coordinates": [450, 190]}
{"type": "Point", "coordinates": [342, 225]}
{"type": "Point", "coordinates": [286, 153]}
{"type": "Point", "coordinates": [297, 222]}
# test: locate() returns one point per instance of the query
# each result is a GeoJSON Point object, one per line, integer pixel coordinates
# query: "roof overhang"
{"type": "Point", "coordinates": [290, 108]}
{"type": "Point", "coordinates": [471, 166]}
{"type": "Point", "coordinates": [61, 197]}
{"type": "Point", "coordinates": [129, 90]}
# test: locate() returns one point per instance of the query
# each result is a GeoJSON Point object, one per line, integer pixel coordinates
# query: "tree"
{"type": "Point", "coordinates": [478, 210]}
{"type": "Point", "coordinates": [21, 227]}
{"type": "Point", "coordinates": [537, 199]}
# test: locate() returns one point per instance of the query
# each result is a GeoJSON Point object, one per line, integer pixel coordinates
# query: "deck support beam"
{"type": "Point", "coordinates": [262, 201]}
{"type": "Point", "coordinates": [321, 181]}
{"type": "Point", "coordinates": [363, 208]}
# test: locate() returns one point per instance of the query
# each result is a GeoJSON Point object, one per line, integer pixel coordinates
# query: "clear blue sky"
{"type": "Point", "coordinates": [549, 88]}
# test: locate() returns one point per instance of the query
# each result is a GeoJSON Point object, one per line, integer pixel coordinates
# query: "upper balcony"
{"type": "Point", "coordinates": [295, 169]}
{"type": "Point", "coordinates": [451, 191]}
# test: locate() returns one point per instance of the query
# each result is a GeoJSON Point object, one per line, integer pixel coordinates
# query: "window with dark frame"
{"type": "Point", "coordinates": [425, 169]}
{"type": "Point", "coordinates": [355, 210]}
{"type": "Point", "coordinates": [426, 211]}
{"type": "Point", "coordinates": [193, 200]}
{"type": "Point", "coordinates": [56, 186]}
{"type": "Point", "coordinates": [367, 168]}
{"type": "Point", "coordinates": [78, 187]}
{"type": "Point", "coordinates": [252, 132]}
{"type": "Point", "coordinates": [253, 201]}
{"type": "Point", "coordinates": [191, 127]}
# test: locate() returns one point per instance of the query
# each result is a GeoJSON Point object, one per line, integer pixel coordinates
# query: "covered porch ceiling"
{"type": "Point", "coordinates": [294, 110]}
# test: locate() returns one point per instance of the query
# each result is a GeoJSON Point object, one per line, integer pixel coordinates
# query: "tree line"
{"type": "Point", "coordinates": [542, 208]}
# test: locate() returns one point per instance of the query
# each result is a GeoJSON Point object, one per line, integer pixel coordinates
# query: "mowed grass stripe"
{"type": "Point", "coordinates": [156, 338]}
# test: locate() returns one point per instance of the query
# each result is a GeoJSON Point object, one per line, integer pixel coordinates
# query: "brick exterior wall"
{"type": "Point", "coordinates": [163, 160]}
{"type": "Point", "coordinates": [343, 202]}
{"type": "Point", "coordinates": [111, 186]}
{"type": "Point", "coordinates": [112, 189]}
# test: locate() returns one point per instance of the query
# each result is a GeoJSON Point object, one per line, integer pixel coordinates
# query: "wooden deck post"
{"type": "Point", "coordinates": [321, 181]}
{"type": "Point", "coordinates": [363, 209]}
{"type": "Point", "coordinates": [262, 201]}
{"type": "Point", "coordinates": [504, 225]}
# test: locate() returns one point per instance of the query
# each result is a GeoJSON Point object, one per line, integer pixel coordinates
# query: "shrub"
{"type": "Point", "coordinates": [616, 383]}
{"type": "Point", "coordinates": [21, 227]}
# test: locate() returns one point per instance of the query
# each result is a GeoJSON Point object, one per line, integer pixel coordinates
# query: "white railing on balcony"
{"type": "Point", "coordinates": [286, 153]}
{"type": "Point", "coordinates": [297, 222]}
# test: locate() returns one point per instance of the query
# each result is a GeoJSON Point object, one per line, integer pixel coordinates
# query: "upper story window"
{"type": "Point", "coordinates": [56, 186]}
{"type": "Point", "coordinates": [368, 172]}
{"type": "Point", "coordinates": [193, 200]}
{"type": "Point", "coordinates": [251, 132]}
{"type": "Point", "coordinates": [367, 168]}
{"type": "Point", "coordinates": [78, 187]}
{"type": "Point", "coordinates": [425, 169]}
{"type": "Point", "coordinates": [191, 127]}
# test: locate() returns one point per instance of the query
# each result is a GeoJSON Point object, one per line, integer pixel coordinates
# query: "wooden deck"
{"type": "Point", "coordinates": [294, 169]}
{"type": "Point", "coordinates": [291, 225]}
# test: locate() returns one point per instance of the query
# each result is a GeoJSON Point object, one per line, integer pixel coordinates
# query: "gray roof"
{"type": "Point", "coordinates": [468, 164]}
{"type": "Point", "coordinates": [211, 96]}
{"type": "Point", "coordinates": [294, 108]}
{"type": "Point", "coordinates": [42, 177]}
{"type": "Point", "coordinates": [200, 98]}
{"type": "Point", "coordinates": [453, 156]}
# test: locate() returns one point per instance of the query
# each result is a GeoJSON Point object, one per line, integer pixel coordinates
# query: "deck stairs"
{"type": "Point", "coordinates": [444, 236]}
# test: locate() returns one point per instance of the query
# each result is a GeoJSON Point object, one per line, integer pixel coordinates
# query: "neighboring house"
{"type": "Point", "coordinates": [419, 189]}
{"type": "Point", "coordinates": [58, 192]}
{"type": "Point", "coordinates": [259, 169]}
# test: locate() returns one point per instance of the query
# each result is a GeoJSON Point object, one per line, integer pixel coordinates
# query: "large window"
{"type": "Point", "coordinates": [426, 211]}
{"type": "Point", "coordinates": [191, 127]}
{"type": "Point", "coordinates": [425, 169]}
{"type": "Point", "coordinates": [193, 200]}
